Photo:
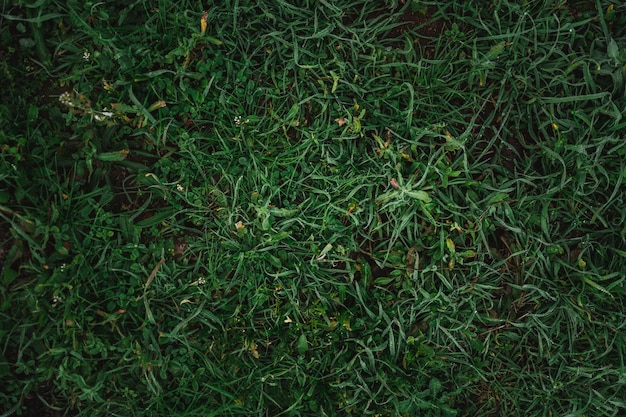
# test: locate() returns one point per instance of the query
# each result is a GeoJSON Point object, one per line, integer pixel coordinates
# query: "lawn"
{"type": "Point", "coordinates": [313, 208]}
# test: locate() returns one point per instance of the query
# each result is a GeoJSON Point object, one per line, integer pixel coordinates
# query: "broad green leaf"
{"type": "Point", "coordinates": [497, 197]}
{"type": "Point", "coordinates": [383, 280]}
{"type": "Point", "coordinates": [8, 276]}
{"type": "Point", "coordinates": [278, 237]}
{"type": "Point", "coordinates": [282, 212]}
{"type": "Point", "coordinates": [435, 387]}
{"type": "Point", "coordinates": [157, 218]}
{"type": "Point", "coordinates": [613, 50]}
{"type": "Point", "coordinates": [419, 195]}
{"type": "Point", "coordinates": [496, 50]}
{"type": "Point", "coordinates": [597, 286]}
{"type": "Point", "coordinates": [113, 156]}
{"type": "Point", "coordinates": [303, 344]}
{"type": "Point", "coordinates": [293, 112]}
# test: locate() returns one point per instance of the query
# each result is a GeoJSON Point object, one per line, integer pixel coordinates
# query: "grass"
{"type": "Point", "coordinates": [380, 208]}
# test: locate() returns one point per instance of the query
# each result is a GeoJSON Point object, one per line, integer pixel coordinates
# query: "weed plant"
{"type": "Point", "coordinates": [264, 207]}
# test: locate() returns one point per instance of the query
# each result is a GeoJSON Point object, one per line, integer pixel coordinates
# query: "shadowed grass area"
{"type": "Point", "coordinates": [265, 208]}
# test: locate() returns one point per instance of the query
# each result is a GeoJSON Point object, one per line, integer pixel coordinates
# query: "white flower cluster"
{"type": "Point", "coordinates": [238, 120]}
{"type": "Point", "coordinates": [66, 99]}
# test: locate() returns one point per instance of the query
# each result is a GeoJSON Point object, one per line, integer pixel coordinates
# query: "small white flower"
{"type": "Point", "coordinates": [201, 281]}
{"type": "Point", "coordinates": [101, 115]}
{"type": "Point", "coordinates": [86, 55]}
{"type": "Point", "coordinates": [180, 188]}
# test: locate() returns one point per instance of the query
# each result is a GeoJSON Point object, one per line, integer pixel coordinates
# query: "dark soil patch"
{"type": "Point", "coordinates": [420, 22]}
{"type": "Point", "coordinates": [14, 252]}
{"type": "Point", "coordinates": [5, 242]}
{"type": "Point", "coordinates": [35, 406]}
{"type": "Point", "coordinates": [422, 26]}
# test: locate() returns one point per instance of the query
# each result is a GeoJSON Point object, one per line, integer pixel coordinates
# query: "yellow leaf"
{"type": "Point", "coordinates": [252, 348]}
{"type": "Point", "coordinates": [450, 245]}
{"type": "Point", "coordinates": [324, 251]}
{"type": "Point", "coordinates": [346, 324]}
{"type": "Point", "coordinates": [203, 22]}
{"type": "Point", "coordinates": [157, 105]}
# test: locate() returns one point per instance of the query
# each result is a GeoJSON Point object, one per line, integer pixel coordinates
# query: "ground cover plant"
{"type": "Point", "coordinates": [267, 207]}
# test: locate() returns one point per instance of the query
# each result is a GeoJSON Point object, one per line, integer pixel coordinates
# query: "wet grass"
{"type": "Point", "coordinates": [253, 208]}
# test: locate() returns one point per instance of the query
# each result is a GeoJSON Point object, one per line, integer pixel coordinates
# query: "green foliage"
{"type": "Point", "coordinates": [256, 208]}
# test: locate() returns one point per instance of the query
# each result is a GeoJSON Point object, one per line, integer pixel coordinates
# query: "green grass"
{"type": "Point", "coordinates": [375, 208]}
